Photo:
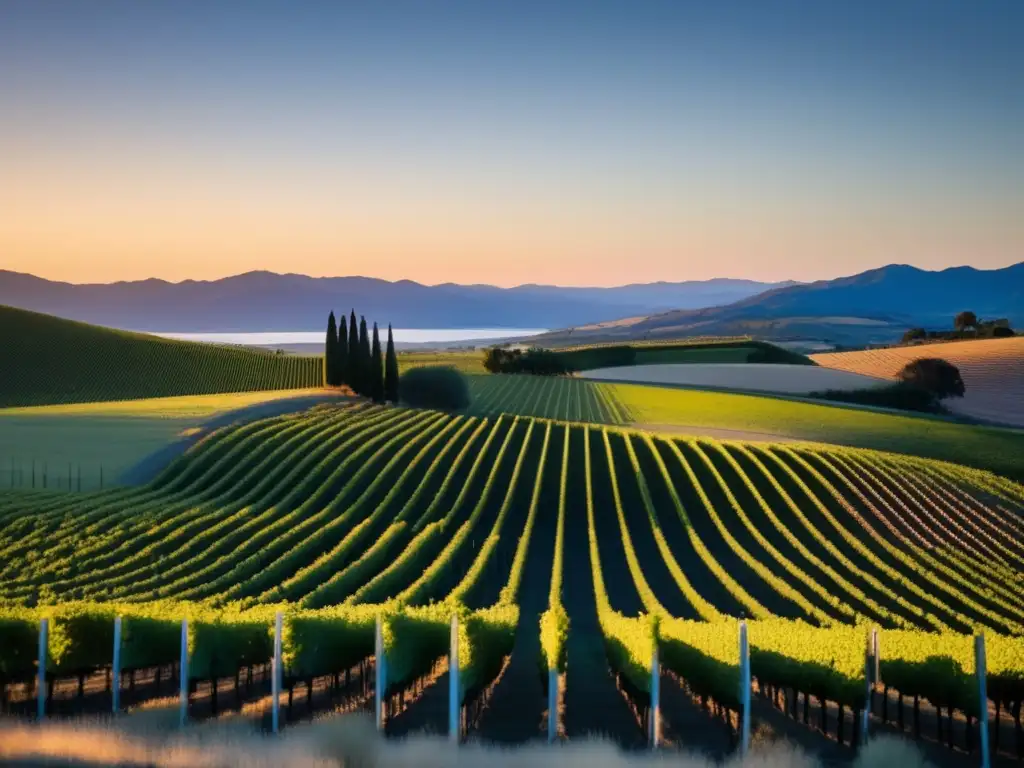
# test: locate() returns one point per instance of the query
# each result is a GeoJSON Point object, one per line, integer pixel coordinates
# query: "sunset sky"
{"type": "Point", "coordinates": [577, 143]}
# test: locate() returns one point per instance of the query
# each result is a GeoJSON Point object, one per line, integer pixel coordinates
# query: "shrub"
{"type": "Point", "coordinates": [965, 320]}
{"type": "Point", "coordinates": [1002, 332]}
{"type": "Point", "coordinates": [915, 334]}
{"type": "Point", "coordinates": [537, 361]}
{"type": "Point", "coordinates": [934, 375]}
{"type": "Point", "coordinates": [434, 386]}
{"type": "Point", "coordinates": [905, 397]}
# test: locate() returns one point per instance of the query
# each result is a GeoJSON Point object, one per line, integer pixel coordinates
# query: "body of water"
{"type": "Point", "coordinates": [402, 335]}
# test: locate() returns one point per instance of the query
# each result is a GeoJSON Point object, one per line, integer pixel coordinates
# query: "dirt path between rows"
{"type": "Point", "coordinates": [151, 466]}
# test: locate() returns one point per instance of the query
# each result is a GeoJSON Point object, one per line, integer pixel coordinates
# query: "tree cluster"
{"type": "Point", "coordinates": [967, 325]}
{"type": "Point", "coordinates": [435, 386]}
{"type": "Point", "coordinates": [353, 358]}
{"type": "Point", "coordinates": [938, 377]}
{"type": "Point", "coordinates": [536, 361]}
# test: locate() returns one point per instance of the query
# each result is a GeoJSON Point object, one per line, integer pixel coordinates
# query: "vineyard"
{"type": "Point", "coordinates": [60, 361]}
{"type": "Point", "coordinates": [764, 418]}
{"type": "Point", "coordinates": [992, 370]}
{"type": "Point", "coordinates": [627, 540]}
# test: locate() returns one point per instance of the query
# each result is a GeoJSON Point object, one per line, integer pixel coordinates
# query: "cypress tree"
{"type": "Point", "coordinates": [364, 358]}
{"type": "Point", "coordinates": [341, 358]}
{"type": "Point", "coordinates": [376, 369]}
{"type": "Point", "coordinates": [391, 370]}
{"type": "Point", "coordinates": [331, 352]}
{"type": "Point", "coordinates": [352, 377]}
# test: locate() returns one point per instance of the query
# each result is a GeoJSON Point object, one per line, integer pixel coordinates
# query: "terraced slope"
{"type": "Point", "coordinates": [47, 361]}
{"type": "Point", "coordinates": [344, 513]}
{"type": "Point", "coordinates": [992, 370]}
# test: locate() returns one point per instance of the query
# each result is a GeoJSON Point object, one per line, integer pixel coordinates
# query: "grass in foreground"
{"type": "Point", "coordinates": [351, 740]}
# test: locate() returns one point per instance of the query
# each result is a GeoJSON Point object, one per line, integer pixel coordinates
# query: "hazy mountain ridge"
{"type": "Point", "coordinates": [873, 306]}
{"type": "Point", "coordinates": [267, 301]}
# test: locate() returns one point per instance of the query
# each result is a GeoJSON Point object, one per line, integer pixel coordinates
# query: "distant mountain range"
{"type": "Point", "coordinates": [265, 301]}
{"type": "Point", "coordinates": [873, 306]}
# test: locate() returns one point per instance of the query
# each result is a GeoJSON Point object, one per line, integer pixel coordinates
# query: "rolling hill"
{"type": "Point", "coordinates": [872, 307]}
{"type": "Point", "coordinates": [47, 360]}
{"type": "Point", "coordinates": [992, 370]}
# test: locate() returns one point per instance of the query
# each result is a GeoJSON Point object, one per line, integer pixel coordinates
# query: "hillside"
{"type": "Point", "coordinates": [876, 306]}
{"type": "Point", "coordinates": [503, 519]}
{"type": "Point", "coordinates": [992, 370]}
{"type": "Point", "coordinates": [47, 360]}
{"type": "Point", "coordinates": [265, 301]}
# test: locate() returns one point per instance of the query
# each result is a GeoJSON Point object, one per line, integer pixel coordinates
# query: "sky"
{"type": "Point", "coordinates": [575, 143]}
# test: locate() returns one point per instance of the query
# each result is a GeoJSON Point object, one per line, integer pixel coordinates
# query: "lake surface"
{"type": "Point", "coordinates": [403, 335]}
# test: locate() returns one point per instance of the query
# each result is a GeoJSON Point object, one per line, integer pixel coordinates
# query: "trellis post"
{"type": "Point", "coordinates": [115, 672]}
{"type": "Point", "coordinates": [275, 677]}
{"type": "Point", "coordinates": [44, 627]}
{"type": "Point", "coordinates": [981, 672]}
{"type": "Point", "coordinates": [380, 674]}
{"type": "Point", "coordinates": [183, 676]}
{"type": "Point", "coordinates": [454, 700]}
{"type": "Point", "coordinates": [654, 724]}
{"type": "Point", "coordinates": [744, 689]}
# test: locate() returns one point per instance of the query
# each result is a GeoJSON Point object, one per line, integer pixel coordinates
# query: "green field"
{"type": "Point", "coordinates": [342, 513]}
{"type": "Point", "coordinates": [469, 361]}
{"type": "Point", "coordinates": [105, 439]}
{"type": "Point", "coordinates": [666, 409]}
{"type": "Point", "coordinates": [59, 361]}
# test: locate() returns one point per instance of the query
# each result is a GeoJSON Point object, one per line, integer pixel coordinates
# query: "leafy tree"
{"type": "Point", "coordinates": [965, 320]}
{"type": "Point", "coordinates": [536, 361]}
{"type": "Point", "coordinates": [376, 369]}
{"type": "Point", "coordinates": [352, 377]}
{"type": "Point", "coordinates": [341, 365]}
{"type": "Point", "coordinates": [915, 334]}
{"type": "Point", "coordinates": [364, 358]}
{"type": "Point", "coordinates": [391, 370]}
{"type": "Point", "coordinates": [932, 374]}
{"type": "Point", "coordinates": [435, 386]}
{"type": "Point", "coordinates": [331, 352]}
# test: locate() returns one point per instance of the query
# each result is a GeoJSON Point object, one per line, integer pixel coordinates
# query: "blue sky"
{"type": "Point", "coordinates": [572, 143]}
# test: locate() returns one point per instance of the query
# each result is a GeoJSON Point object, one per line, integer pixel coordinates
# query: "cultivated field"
{"type": "Point", "coordinates": [992, 370]}
{"type": "Point", "coordinates": [696, 412]}
{"type": "Point", "coordinates": [344, 513]}
{"type": "Point", "coordinates": [766, 377]}
{"type": "Point", "coordinates": [86, 445]}
{"type": "Point", "coordinates": [50, 361]}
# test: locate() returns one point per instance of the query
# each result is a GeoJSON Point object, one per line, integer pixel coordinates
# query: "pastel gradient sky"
{"type": "Point", "coordinates": [586, 143]}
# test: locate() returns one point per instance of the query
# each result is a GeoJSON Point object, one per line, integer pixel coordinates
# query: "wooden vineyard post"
{"type": "Point", "coordinates": [552, 704]}
{"type": "Point", "coordinates": [380, 675]}
{"type": "Point", "coordinates": [454, 700]}
{"type": "Point", "coordinates": [654, 721]}
{"type": "Point", "coordinates": [41, 680]}
{"type": "Point", "coordinates": [115, 671]}
{"type": "Point", "coordinates": [183, 676]}
{"type": "Point", "coordinates": [981, 672]}
{"type": "Point", "coordinates": [744, 689]}
{"type": "Point", "coordinates": [275, 677]}
{"type": "Point", "coordinates": [869, 676]}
